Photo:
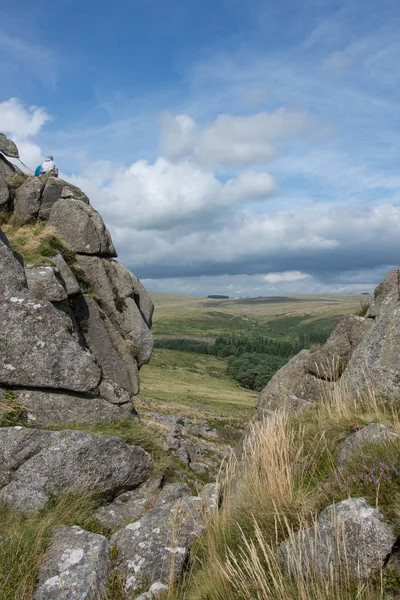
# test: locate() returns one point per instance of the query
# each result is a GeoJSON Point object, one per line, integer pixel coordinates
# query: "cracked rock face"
{"type": "Point", "coordinates": [36, 465]}
{"type": "Point", "coordinates": [76, 566]}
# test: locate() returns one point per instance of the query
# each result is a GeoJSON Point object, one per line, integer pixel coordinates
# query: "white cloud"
{"type": "Point", "coordinates": [19, 121]}
{"type": "Point", "coordinates": [337, 60]}
{"type": "Point", "coordinates": [235, 140]}
{"type": "Point", "coordinates": [285, 276]}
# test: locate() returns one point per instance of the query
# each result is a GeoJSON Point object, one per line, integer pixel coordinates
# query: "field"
{"type": "Point", "coordinates": [284, 318]}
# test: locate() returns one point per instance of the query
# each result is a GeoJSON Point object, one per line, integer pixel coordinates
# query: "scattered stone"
{"type": "Point", "coordinates": [81, 226]}
{"type": "Point", "coordinates": [28, 199]}
{"type": "Point", "coordinates": [8, 147]}
{"type": "Point", "coordinates": [375, 433]}
{"type": "Point", "coordinates": [157, 546]}
{"type": "Point", "coordinates": [44, 284]}
{"type": "Point", "coordinates": [36, 465]}
{"type": "Point", "coordinates": [70, 282]}
{"type": "Point", "coordinates": [349, 535]}
{"type": "Point", "coordinates": [48, 408]}
{"type": "Point", "coordinates": [76, 566]}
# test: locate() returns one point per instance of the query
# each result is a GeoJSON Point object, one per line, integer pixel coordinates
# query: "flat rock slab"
{"type": "Point", "coordinates": [375, 433]}
{"type": "Point", "coordinates": [349, 535]}
{"type": "Point", "coordinates": [36, 465]}
{"type": "Point", "coordinates": [160, 541]}
{"type": "Point", "coordinates": [81, 226]}
{"type": "Point", "coordinates": [48, 408]}
{"type": "Point", "coordinates": [70, 282]}
{"type": "Point", "coordinates": [76, 566]}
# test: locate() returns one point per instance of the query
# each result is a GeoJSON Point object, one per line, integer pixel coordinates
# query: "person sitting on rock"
{"type": "Point", "coordinates": [49, 167]}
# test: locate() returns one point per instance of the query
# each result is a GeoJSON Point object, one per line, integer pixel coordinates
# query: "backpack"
{"type": "Point", "coordinates": [38, 171]}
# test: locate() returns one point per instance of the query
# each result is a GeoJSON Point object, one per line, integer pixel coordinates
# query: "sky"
{"type": "Point", "coordinates": [239, 147]}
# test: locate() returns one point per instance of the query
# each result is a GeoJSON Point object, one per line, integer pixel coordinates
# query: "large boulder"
{"type": "Point", "coordinates": [375, 364]}
{"type": "Point", "coordinates": [4, 194]}
{"type": "Point", "coordinates": [44, 284]}
{"type": "Point", "coordinates": [28, 200]}
{"type": "Point", "coordinates": [122, 310]}
{"type": "Point", "coordinates": [81, 226]}
{"type": "Point", "coordinates": [349, 536]}
{"type": "Point", "coordinates": [129, 286]}
{"type": "Point", "coordinates": [49, 408]}
{"type": "Point", "coordinates": [7, 169]}
{"type": "Point", "coordinates": [55, 189]}
{"type": "Point", "coordinates": [157, 546]}
{"type": "Point", "coordinates": [39, 350]}
{"type": "Point", "coordinates": [330, 361]}
{"type": "Point", "coordinates": [356, 443]}
{"type": "Point", "coordinates": [76, 566]}
{"type": "Point", "coordinates": [115, 356]}
{"type": "Point", "coordinates": [8, 147]}
{"type": "Point", "coordinates": [387, 286]}
{"type": "Point", "coordinates": [65, 460]}
{"type": "Point", "coordinates": [293, 379]}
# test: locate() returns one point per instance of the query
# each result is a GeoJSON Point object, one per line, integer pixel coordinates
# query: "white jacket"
{"type": "Point", "coordinates": [49, 165]}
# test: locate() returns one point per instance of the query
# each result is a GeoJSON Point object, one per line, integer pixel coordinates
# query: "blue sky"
{"type": "Point", "coordinates": [237, 147]}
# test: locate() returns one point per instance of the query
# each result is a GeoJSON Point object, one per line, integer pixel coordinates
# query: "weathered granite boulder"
{"type": "Point", "coordinates": [113, 393]}
{"type": "Point", "coordinates": [115, 356]}
{"type": "Point", "coordinates": [375, 364]}
{"type": "Point", "coordinates": [48, 408]}
{"type": "Point", "coordinates": [81, 226]}
{"type": "Point", "coordinates": [354, 444]}
{"type": "Point", "coordinates": [349, 535]}
{"type": "Point", "coordinates": [70, 282]}
{"type": "Point", "coordinates": [4, 194]}
{"type": "Point", "coordinates": [8, 147]}
{"type": "Point", "coordinates": [123, 312]}
{"type": "Point", "coordinates": [55, 189]}
{"type": "Point", "coordinates": [38, 349]}
{"type": "Point", "coordinates": [65, 460]}
{"type": "Point", "coordinates": [390, 284]}
{"type": "Point", "coordinates": [330, 361]}
{"type": "Point", "coordinates": [28, 200]}
{"type": "Point", "coordinates": [76, 566]}
{"type": "Point", "coordinates": [12, 274]}
{"type": "Point", "coordinates": [7, 169]}
{"type": "Point", "coordinates": [44, 284]}
{"type": "Point", "coordinates": [129, 506]}
{"type": "Point", "coordinates": [129, 286]}
{"type": "Point", "coordinates": [160, 541]}
{"type": "Point", "coordinates": [295, 379]}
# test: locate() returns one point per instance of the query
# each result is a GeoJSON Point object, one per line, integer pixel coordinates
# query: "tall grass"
{"type": "Point", "coordinates": [288, 473]}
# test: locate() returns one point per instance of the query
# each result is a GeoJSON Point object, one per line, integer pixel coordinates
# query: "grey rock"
{"type": "Point", "coordinates": [66, 460]}
{"type": "Point", "coordinates": [76, 566]}
{"type": "Point", "coordinates": [172, 492]}
{"type": "Point", "coordinates": [156, 591]}
{"type": "Point", "coordinates": [375, 364]}
{"type": "Point", "coordinates": [122, 312]}
{"type": "Point", "coordinates": [129, 286]}
{"type": "Point", "coordinates": [8, 147]}
{"type": "Point", "coordinates": [4, 195]}
{"type": "Point", "coordinates": [55, 189]}
{"type": "Point", "coordinates": [46, 409]}
{"type": "Point", "coordinates": [81, 226]}
{"type": "Point", "coordinates": [44, 284]}
{"type": "Point", "coordinates": [38, 349]}
{"type": "Point", "coordinates": [199, 468]}
{"type": "Point", "coordinates": [28, 199]}
{"type": "Point", "coordinates": [390, 284]}
{"type": "Point", "coordinates": [70, 282]}
{"type": "Point", "coordinates": [293, 379]}
{"type": "Point", "coordinates": [7, 169]}
{"type": "Point", "coordinates": [210, 496]}
{"type": "Point", "coordinates": [12, 274]}
{"type": "Point", "coordinates": [71, 191]}
{"type": "Point", "coordinates": [159, 542]}
{"type": "Point", "coordinates": [114, 393]}
{"type": "Point", "coordinates": [349, 535]}
{"type": "Point", "coordinates": [330, 361]}
{"type": "Point", "coordinates": [112, 352]}
{"type": "Point", "coordinates": [375, 433]}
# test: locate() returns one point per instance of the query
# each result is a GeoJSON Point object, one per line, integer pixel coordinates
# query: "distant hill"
{"type": "Point", "coordinates": [218, 297]}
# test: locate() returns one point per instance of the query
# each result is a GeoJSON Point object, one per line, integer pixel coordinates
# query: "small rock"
{"type": "Point", "coordinates": [44, 284]}
{"type": "Point", "coordinates": [113, 393]}
{"type": "Point", "coordinates": [349, 535]}
{"type": "Point", "coordinates": [76, 566]}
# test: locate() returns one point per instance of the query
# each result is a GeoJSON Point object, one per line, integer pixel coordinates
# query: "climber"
{"type": "Point", "coordinates": [49, 167]}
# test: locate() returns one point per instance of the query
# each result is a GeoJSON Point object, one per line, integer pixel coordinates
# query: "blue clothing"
{"type": "Point", "coordinates": [38, 171]}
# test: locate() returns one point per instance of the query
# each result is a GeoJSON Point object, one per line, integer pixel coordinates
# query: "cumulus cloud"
{"type": "Point", "coordinates": [234, 140]}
